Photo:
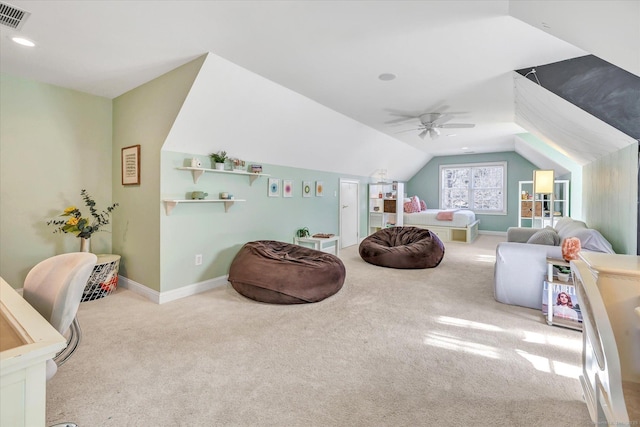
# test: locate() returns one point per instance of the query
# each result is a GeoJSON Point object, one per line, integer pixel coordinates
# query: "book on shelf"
{"type": "Point", "coordinates": [560, 304]}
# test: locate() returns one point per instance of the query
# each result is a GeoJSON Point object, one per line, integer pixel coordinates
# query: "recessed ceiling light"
{"type": "Point", "coordinates": [386, 76]}
{"type": "Point", "coordinates": [22, 41]}
{"type": "Point", "coordinates": [464, 148]}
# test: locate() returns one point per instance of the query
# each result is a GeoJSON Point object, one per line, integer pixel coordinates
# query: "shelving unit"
{"type": "Point", "coordinates": [385, 205]}
{"type": "Point", "coordinates": [530, 212]}
{"type": "Point", "coordinates": [198, 172]}
{"type": "Point", "coordinates": [169, 204]}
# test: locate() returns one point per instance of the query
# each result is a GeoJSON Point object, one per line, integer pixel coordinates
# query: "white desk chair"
{"type": "Point", "coordinates": [54, 288]}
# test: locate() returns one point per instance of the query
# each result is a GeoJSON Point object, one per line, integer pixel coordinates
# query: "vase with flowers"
{"type": "Point", "coordinates": [83, 227]}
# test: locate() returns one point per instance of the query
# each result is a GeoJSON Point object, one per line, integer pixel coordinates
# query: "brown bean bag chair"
{"type": "Point", "coordinates": [282, 273]}
{"type": "Point", "coordinates": [403, 247]}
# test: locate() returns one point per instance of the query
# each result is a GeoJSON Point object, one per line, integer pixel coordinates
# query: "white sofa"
{"type": "Point", "coordinates": [521, 267]}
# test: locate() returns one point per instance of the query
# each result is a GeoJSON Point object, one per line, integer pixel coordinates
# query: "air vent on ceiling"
{"type": "Point", "coordinates": [11, 16]}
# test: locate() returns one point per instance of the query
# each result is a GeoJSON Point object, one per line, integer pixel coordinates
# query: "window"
{"type": "Point", "coordinates": [481, 187]}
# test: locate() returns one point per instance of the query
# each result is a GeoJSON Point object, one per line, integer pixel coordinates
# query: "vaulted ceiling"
{"type": "Point", "coordinates": [447, 56]}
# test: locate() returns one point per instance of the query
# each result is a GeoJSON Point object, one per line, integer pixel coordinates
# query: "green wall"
{"type": "Point", "coordinates": [425, 184]}
{"type": "Point", "coordinates": [205, 228]}
{"type": "Point", "coordinates": [144, 116]}
{"type": "Point", "coordinates": [54, 142]}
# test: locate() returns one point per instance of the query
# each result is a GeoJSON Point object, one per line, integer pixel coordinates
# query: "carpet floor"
{"type": "Point", "coordinates": [392, 348]}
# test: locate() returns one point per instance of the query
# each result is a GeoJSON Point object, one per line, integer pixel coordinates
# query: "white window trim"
{"type": "Point", "coordinates": [472, 165]}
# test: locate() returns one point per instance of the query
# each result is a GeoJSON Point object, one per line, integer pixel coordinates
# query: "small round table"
{"type": "Point", "coordinates": [104, 278]}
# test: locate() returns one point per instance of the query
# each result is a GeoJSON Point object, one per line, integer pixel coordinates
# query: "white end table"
{"type": "Point", "coordinates": [319, 243]}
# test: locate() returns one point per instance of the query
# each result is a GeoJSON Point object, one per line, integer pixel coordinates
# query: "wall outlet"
{"type": "Point", "coordinates": [199, 259]}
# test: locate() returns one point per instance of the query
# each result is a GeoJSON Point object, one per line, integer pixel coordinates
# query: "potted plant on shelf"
{"type": "Point", "coordinates": [218, 159]}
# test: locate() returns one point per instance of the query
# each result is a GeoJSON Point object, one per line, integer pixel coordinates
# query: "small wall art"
{"type": "Point", "coordinates": [130, 159]}
{"type": "Point", "coordinates": [274, 187]}
{"type": "Point", "coordinates": [306, 188]}
{"type": "Point", "coordinates": [319, 189]}
{"type": "Point", "coordinates": [287, 188]}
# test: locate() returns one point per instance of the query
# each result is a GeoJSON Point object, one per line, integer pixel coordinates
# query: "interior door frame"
{"type": "Point", "coordinates": [357, 183]}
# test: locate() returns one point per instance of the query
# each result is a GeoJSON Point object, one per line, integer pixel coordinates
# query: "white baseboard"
{"type": "Point", "coordinates": [162, 297]}
{"type": "Point", "coordinates": [493, 233]}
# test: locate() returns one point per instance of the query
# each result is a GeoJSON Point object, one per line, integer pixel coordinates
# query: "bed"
{"type": "Point", "coordinates": [463, 226]}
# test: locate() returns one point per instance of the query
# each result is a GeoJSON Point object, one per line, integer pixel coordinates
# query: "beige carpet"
{"type": "Point", "coordinates": [392, 348]}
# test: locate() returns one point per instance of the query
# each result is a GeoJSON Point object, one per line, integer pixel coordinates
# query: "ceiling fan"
{"type": "Point", "coordinates": [430, 123]}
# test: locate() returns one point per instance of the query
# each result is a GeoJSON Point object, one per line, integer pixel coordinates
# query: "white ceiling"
{"type": "Point", "coordinates": [454, 56]}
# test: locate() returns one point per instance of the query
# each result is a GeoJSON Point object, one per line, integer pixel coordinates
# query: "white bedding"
{"type": "Point", "coordinates": [461, 218]}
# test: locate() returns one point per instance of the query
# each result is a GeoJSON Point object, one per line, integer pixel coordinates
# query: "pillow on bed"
{"type": "Point", "coordinates": [423, 205]}
{"type": "Point", "coordinates": [413, 206]}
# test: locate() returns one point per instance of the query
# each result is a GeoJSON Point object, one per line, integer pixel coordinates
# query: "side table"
{"type": "Point", "coordinates": [319, 242]}
{"type": "Point", "coordinates": [104, 278]}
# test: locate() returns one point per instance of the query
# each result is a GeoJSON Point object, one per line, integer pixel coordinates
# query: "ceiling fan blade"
{"type": "Point", "coordinates": [410, 130]}
{"type": "Point", "coordinates": [456, 125]}
{"type": "Point", "coordinates": [400, 119]}
{"type": "Point", "coordinates": [423, 133]}
{"type": "Point", "coordinates": [434, 133]}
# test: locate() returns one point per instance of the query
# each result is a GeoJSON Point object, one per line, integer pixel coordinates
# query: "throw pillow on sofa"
{"type": "Point", "coordinates": [567, 227]}
{"type": "Point", "coordinates": [546, 236]}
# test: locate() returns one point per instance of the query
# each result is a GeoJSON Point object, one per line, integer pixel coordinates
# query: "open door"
{"type": "Point", "coordinates": [349, 209]}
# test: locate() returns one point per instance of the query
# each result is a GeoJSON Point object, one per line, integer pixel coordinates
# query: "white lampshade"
{"type": "Point", "coordinates": [543, 181]}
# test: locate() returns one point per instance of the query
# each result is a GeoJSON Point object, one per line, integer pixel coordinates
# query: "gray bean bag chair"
{"type": "Point", "coordinates": [283, 273]}
{"type": "Point", "coordinates": [403, 247]}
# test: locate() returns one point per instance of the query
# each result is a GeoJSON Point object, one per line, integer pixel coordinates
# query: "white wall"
{"type": "Point", "coordinates": [230, 108]}
{"type": "Point", "coordinates": [610, 196]}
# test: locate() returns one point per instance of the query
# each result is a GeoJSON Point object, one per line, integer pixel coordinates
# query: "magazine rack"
{"type": "Point", "coordinates": [569, 315]}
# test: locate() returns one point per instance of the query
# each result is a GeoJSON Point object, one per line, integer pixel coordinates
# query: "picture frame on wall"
{"type": "Point", "coordinates": [319, 189]}
{"type": "Point", "coordinates": [130, 159]}
{"type": "Point", "coordinates": [287, 188]}
{"type": "Point", "coordinates": [274, 187]}
{"type": "Point", "coordinates": [306, 188]}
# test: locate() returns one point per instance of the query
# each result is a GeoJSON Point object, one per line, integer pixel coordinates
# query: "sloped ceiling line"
{"type": "Point", "coordinates": [602, 89]}
{"type": "Point", "coordinates": [572, 131]}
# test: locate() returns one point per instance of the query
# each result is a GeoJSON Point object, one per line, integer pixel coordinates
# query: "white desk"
{"type": "Point", "coordinates": [319, 243]}
{"type": "Point", "coordinates": [27, 341]}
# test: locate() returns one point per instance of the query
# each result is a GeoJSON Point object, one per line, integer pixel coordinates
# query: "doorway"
{"type": "Point", "coordinates": [349, 212]}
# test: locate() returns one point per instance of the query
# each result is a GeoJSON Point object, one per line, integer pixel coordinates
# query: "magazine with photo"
{"type": "Point", "coordinates": [562, 298]}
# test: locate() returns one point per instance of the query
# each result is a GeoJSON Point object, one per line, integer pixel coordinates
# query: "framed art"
{"type": "Point", "coordinates": [319, 189]}
{"type": "Point", "coordinates": [274, 187]}
{"type": "Point", "coordinates": [130, 159]}
{"type": "Point", "coordinates": [287, 188]}
{"type": "Point", "coordinates": [306, 188]}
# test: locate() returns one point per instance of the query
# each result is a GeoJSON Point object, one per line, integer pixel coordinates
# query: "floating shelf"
{"type": "Point", "coordinates": [169, 204]}
{"type": "Point", "coordinates": [197, 173]}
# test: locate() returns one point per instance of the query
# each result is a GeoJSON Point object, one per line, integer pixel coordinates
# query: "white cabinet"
{"type": "Point", "coordinates": [536, 213]}
{"type": "Point", "coordinates": [28, 341]}
{"type": "Point", "coordinates": [385, 205]}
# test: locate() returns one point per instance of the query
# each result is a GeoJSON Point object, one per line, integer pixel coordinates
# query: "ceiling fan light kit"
{"type": "Point", "coordinates": [431, 123]}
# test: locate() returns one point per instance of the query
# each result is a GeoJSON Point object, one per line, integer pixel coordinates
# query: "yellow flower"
{"type": "Point", "coordinates": [70, 209]}
{"type": "Point", "coordinates": [72, 221]}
